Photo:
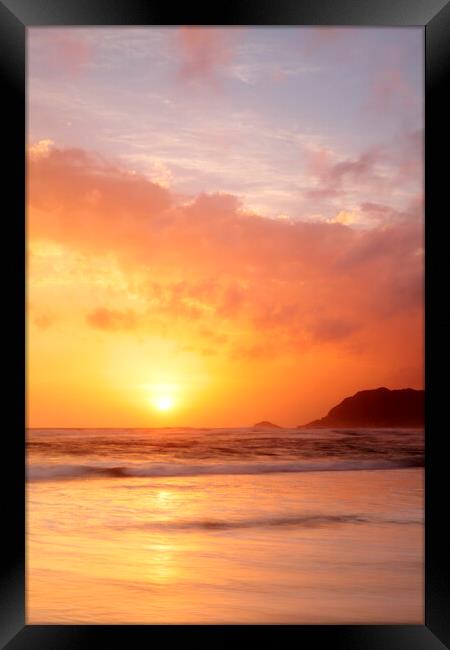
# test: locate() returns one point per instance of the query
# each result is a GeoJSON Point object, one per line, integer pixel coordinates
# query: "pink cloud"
{"type": "Point", "coordinates": [84, 185]}
{"type": "Point", "coordinates": [390, 90]}
{"type": "Point", "coordinates": [204, 50]}
{"type": "Point", "coordinates": [375, 172]}
{"type": "Point", "coordinates": [331, 175]}
{"type": "Point", "coordinates": [322, 38]}
{"type": "Point", "coordinates": [263, 286]}
{"type": "Point", "coordinates": [278, 74]}
{"type": "Point", "coordinates": [68, 52]}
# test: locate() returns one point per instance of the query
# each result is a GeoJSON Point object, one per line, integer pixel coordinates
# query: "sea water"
{"type": "Point", "coordinates": [225, 526]}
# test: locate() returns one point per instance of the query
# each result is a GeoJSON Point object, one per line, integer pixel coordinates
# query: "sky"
{"type": "Point", "coordinates": [224, 225]}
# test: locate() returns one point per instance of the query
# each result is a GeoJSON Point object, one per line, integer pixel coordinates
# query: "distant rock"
{"type": "Point", "coordinates": [377, 408]}
{"type": "Point", "coordinates": [266, 425]}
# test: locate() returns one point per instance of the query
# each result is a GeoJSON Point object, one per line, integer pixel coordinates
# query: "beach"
{"type": "Point", "coordinates": [190, 532]}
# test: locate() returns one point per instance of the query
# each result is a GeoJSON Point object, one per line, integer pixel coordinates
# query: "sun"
{"type": "Point", "coordinates": [163, 403]}
{"type": "Point", "coordinates": [162, 396]}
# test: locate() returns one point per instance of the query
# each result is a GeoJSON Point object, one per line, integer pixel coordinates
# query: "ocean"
{"type": "Point", "coordinates": [209, 526]}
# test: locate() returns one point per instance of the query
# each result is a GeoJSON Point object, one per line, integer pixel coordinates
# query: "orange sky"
{"type": "Point", "coordinates": [140, 291]}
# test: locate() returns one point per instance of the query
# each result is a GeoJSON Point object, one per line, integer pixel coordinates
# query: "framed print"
{"type": "Point", "coordinates": [233, 276]}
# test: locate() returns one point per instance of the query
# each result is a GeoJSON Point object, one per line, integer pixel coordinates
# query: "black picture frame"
{"type": "Point", "coordinates": [434, 17]}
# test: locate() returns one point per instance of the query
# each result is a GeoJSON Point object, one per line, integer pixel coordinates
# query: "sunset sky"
{"type": "Point", "coordinates": [224, 225]}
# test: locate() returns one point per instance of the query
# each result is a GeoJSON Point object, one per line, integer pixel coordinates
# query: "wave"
{"type": "Point", "coordinates": [305, 520]}
{"type": "Point", "coordinates": [155, 470]}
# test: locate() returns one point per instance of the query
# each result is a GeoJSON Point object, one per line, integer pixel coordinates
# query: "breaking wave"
{"type": "Point", "coordinates": [37, 472]}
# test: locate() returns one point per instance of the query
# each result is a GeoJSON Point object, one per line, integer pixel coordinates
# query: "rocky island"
{"type": "Point", "coordinates": [266, 425]}
{"type": "Point", "coordinates": [380, 407]}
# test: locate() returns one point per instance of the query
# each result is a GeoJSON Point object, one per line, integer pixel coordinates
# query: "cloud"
{"type": "Point", "coordinates": [382, 183]}
{"type": "Point", "coordinates": [321, 38]}
{"type": "Point", "coordinates": [66, 51]}
{"type": "Point", "coordinates": [112, 320]}
{"type": "Point", "coordinates": [81, 197]}
{"type": "Point", "coordinates": [44, 320]}
{"type": "Point", "coordinates": [209, 270]}
{"type": "Point", "coordinates": [203, 52]}
{"type": "Point", "coordinates": [40, 148]}
{"type": "Point", "coordinates": [346, 217]}
{"type": "Point", "coordinates": [389, 91]}
{"type": "Point", "coordinates": [333, 175]}
{"type": "Point", "coordinates": [334, 329]}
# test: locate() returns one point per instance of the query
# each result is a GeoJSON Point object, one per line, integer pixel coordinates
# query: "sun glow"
{"type": "Point", "coordinates": [163, 396]}
{"type": "Point", "coordinates": [163, 403]}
